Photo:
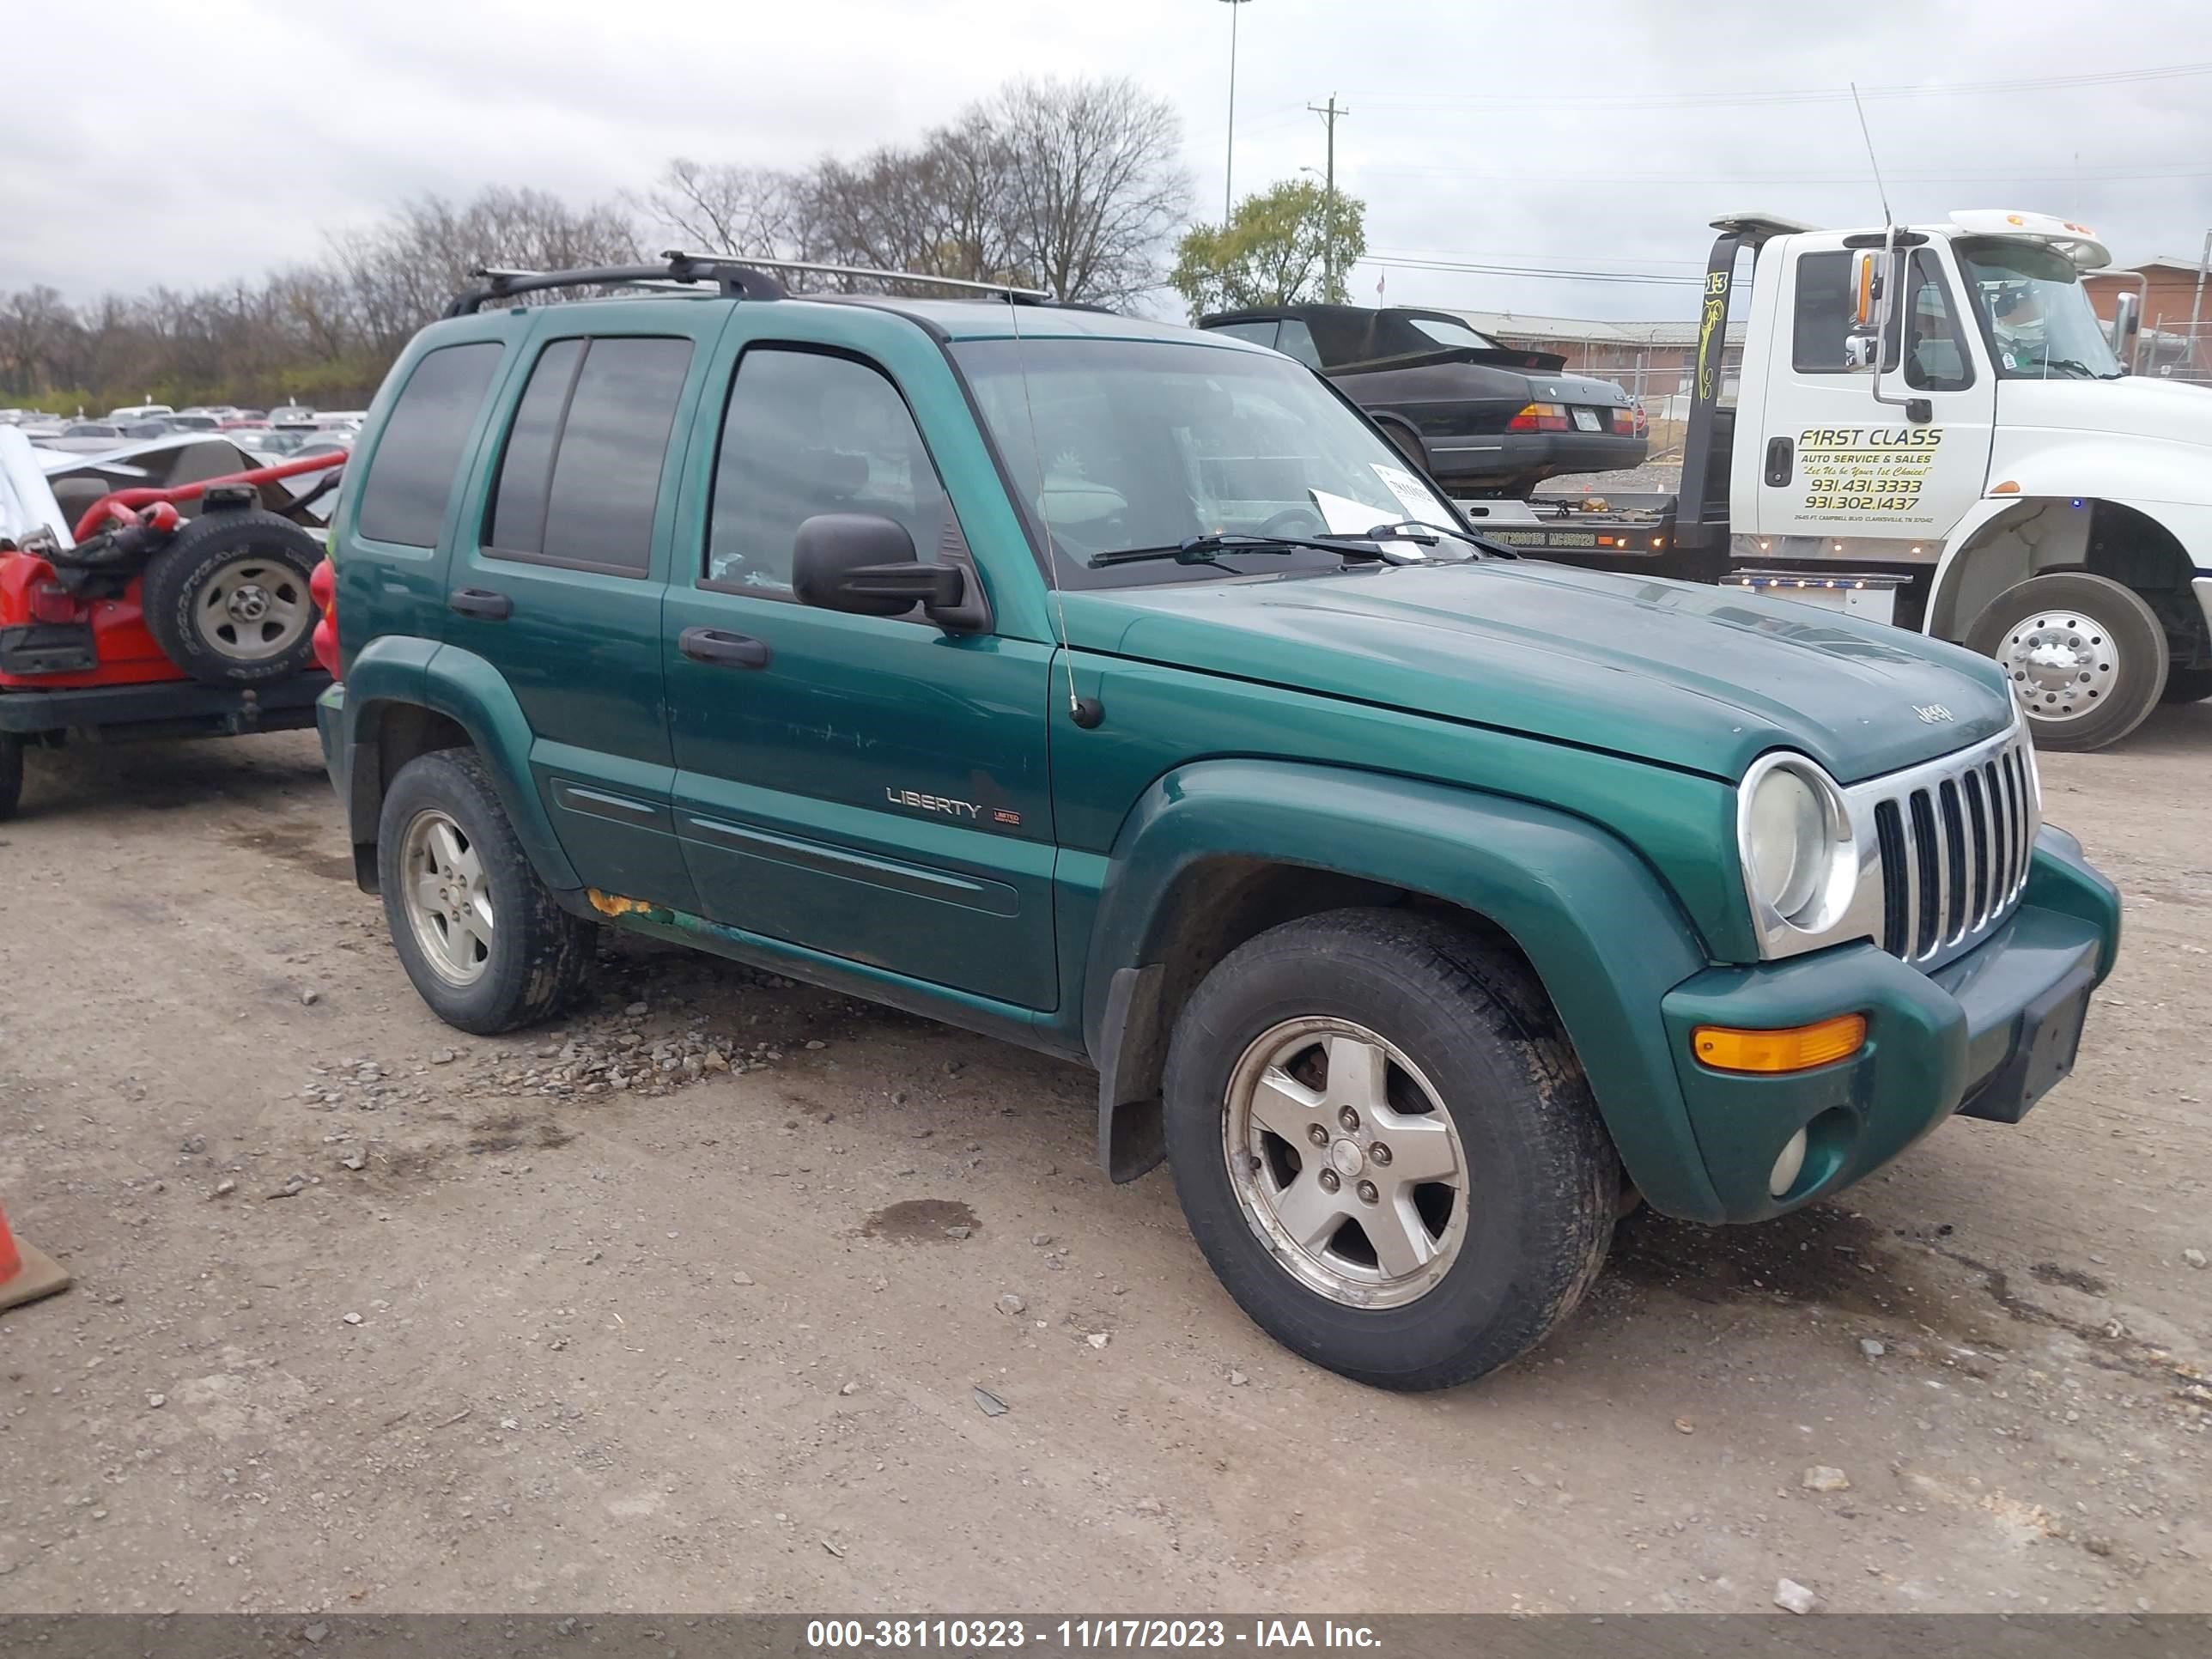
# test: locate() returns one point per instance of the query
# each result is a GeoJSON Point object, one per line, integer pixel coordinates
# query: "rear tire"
{"type": "Point", "coordinates": [2086, 657]}
{"type": "Point", "coordinates": [1386, 1027]}
{"type": "Point", "coordinates": [2187, 685]}
{"type": "Point", "coordinates": [483, 940]}
{"type": "Point", "coordinates": [227, 599]}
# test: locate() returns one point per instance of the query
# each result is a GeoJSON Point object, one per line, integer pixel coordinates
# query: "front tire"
{"type": "Point", "coordinates": [2086, 657]}
{"type": "Point", "coordinates": [1385, 1147]}
{"type": "Point", "coordinates": [481, 938]}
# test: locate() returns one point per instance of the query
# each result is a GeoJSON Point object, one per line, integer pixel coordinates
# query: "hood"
{"type": "Point", "coordinates": [1702, 679]}
{"type": "Point", "coordinates": [2133, 406]}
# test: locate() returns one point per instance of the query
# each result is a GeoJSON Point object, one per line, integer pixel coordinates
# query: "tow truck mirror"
{"type": "Point", "coordinates": [2127, 324]}
{"type": "Point", "coordinates": [1866, 288]}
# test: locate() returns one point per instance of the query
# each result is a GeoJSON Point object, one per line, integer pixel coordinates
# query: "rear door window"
{"type": "Point", "coordinates": [580, 479]}
{"type": "Point", "coordinates": [410, 478]}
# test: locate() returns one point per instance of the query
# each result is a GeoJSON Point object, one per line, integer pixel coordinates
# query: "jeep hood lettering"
{"type": "Point", "coordinates": [1702, 679]}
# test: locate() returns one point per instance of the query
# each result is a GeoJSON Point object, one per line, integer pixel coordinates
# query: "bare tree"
{"type": "Point", "coordinates": [721, 209]}
{"type": "Point", "coordinates": [1092, 183]}
{"type": "Point", "coordinates": [401, 273]}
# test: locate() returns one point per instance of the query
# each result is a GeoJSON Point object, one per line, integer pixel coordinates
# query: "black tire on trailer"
{"type": "Point", "coordinates": [1385, 1146]}
{"type": "Point", "coordinates": [11, 775]}
{"type": "Point", "coordinates": [227, 599]}
{"type": "Point", "coordinates": [2086, 657]}
{"type": "Point", "coordinates": [485, 943]}
{"type": "Point", "coordinates": [2187, 685]}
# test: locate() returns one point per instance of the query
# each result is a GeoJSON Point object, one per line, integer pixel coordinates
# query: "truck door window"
{"type": "Point", "coordinates": [805, 433]}
{"type": "Point", "coordinates": [580, 479]}
{"type": "Point", "coordinates": [411, 474]}
{"type": "Point", "coordinates": [1935, 358]}
{"type": "Point", "coordinates": [1296, 340]}
{"type": "Point", "coordinates": [1823, 313]}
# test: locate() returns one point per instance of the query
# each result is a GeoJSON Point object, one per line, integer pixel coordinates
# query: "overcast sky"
{"type": "Point", "coordinates": [195, 141]}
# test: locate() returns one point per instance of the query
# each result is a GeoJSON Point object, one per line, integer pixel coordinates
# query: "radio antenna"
{"type": "Point", "coordinates": [1880, 190]}
{"type": "Point", "coordinates": [1083, 711]}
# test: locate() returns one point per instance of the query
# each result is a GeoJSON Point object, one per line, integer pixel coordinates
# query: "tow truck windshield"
{"type": "Point", "coordinates": [2035, 313]}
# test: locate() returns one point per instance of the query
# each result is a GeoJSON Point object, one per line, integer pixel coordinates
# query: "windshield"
{"type": "Point", "coordinates": [1145, 443]}
{"type": "Point", "coordinates": [2035, 313]}
{"type": "Point", "coordinates": [1453, 334]}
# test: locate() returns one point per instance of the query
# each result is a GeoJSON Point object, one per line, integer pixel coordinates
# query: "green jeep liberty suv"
{"type": "Point", "coordinates": [1116, 688]}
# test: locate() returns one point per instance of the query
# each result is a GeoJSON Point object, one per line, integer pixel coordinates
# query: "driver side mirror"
{"type": "Point", "coordinates": [864, 564]}
{"type": "Point", "coordinates": [2127, 325]}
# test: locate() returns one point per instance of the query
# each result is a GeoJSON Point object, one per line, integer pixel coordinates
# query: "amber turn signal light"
{"type": "Point", "coordinates": [1794, 1048]}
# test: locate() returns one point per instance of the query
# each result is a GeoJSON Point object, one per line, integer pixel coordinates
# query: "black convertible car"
{"type": "Point", "coordinates": [1481, 418]}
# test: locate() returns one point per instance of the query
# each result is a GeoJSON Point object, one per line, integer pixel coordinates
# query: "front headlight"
{"type": "Point", "coordinates": [1793, 833]}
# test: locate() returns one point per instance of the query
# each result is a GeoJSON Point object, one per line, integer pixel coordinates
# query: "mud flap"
{"type": "Point", "coordinates": [1132, 1138]}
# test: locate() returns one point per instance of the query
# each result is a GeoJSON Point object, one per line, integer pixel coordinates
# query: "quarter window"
{"type": "Point", "coordinates": [1296, 340]}
{"type": "Point", "coordinates": [807, 433]}
{"type": "Point", "coordinates": [410, 478]}
{"type": "Point", "coordinates": [580, 479]}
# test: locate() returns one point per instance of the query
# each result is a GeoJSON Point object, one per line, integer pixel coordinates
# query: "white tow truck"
{"type": "Point", "coordinates": [1929, 425]}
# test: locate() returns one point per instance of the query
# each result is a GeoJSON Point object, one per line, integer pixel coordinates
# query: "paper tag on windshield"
{"type": "Point", "coordinates": [1416, 497]}
{"type": "Point", "coordinates": [1345, 517]}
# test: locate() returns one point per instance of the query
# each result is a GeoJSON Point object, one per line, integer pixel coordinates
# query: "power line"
{"type": "Point", "coordinates": [1813, 95]}
{"type": "Point", "coordinates": [1485, 268]}
{"type": "Point", "coordinates": [2060, 173]}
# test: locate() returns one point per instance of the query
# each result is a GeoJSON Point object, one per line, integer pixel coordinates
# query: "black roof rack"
{"type": "Point", "coordinates": [737, 280]}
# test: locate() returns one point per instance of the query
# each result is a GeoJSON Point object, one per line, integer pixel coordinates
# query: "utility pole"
{"type": "Point", "coordinates": [1229, 159]}
{"type": "Point", "coordinates": [1329, 112]}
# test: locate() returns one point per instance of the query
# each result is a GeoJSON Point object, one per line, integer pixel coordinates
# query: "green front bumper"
{"type": "Point", "coordinates": [1980, 1035]}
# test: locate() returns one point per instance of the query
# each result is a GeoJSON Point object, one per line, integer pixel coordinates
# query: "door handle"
{"type": "Point", "coordinates": [1778, 458]}
{"type": "Point", "coordinates": [480, 602]}
{"type": "Point", "coordinates": [711, 645]}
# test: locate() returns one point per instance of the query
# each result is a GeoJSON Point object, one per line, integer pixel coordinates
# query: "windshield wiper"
{"type": "Point", "coordinates": [1421, 531]}
{"type": "Point", "coordinates": [1203, 550]}
{"type": "Point", "coordinates": [2083, 369]}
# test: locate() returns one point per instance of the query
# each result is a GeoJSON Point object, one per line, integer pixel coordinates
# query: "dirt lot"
{"type": "Point", "coordinates": [372, 1316]}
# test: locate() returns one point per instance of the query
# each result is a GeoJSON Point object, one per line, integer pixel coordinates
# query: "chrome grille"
{"type": "Point", "coordinates": [1953, 838]}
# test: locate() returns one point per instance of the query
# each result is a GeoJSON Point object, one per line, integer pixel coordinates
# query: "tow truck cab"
{"type": "Point", "coordinates": [1930, 425]}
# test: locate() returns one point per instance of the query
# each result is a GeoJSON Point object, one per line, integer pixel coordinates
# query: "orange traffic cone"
{"type": "Point", "coordinates": [26, 1272]}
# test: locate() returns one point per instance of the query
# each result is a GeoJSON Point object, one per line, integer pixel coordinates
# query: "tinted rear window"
{"type": "Point", "coordinates": [606, 477]}
{"type": "Point", "coordinates": [581, 476]}
{"type": "Point", "coordinates": [412, 474]}
{"type": "Point", "coordinates": [518, 514]}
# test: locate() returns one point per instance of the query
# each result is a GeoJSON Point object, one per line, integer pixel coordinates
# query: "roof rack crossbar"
{"type": "Point", "coordinates": [1006, 290]}
{"type": "Point", "coordinates": [737, 280]}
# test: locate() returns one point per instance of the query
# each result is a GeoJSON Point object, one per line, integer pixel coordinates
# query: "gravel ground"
{"type": "Point", "coordinates": [685, 1304]}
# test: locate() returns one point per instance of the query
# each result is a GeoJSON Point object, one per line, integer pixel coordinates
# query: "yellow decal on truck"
{"type": "Point", "coordinates": [1867, 472]}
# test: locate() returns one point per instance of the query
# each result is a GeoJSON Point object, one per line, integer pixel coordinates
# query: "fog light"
{"type": "Point", "coordinates": [1788, 1166]}
{"type": "Point", "coordinates": [1793, 1048]}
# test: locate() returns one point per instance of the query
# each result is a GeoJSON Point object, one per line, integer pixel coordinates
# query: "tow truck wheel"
{"type": "Point", "coordinates": [227, 599]}
{"type": "Point", "coordinates": [2086, 657]}
{"type": "Point", "coordinates": [11, 775]}
{"type": "Point", "coordinates": [1385, 1148]}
